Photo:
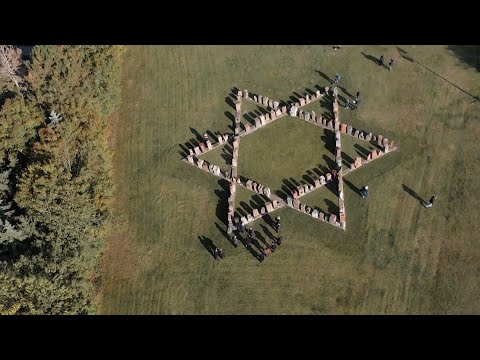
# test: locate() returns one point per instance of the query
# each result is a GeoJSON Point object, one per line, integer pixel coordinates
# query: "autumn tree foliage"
{"type": "Point", "coordinates": [55, 179]}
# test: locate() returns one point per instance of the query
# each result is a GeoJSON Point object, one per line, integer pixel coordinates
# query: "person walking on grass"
{"type": "Point", "coordinates": [390, 64]}
{"type": "Point", "coordinates": [432, 200]}
{"type": "Point", "coordinates": [347, 104]}
{"type": "Point", "coordinates": [364, 192]}
{"type": "Point", "coordinates": [278, 224]}
{"type": "Point", "coordinates": [337, 78]}
{"type": "Point", "coordinates": [382, 61]}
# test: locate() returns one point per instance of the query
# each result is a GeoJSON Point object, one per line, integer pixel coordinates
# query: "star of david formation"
{"type": "Point", "coordinates": [276, 112]}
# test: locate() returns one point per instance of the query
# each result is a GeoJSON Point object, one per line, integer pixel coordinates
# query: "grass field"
{"type": "Point", "coordinates": [395, 257]}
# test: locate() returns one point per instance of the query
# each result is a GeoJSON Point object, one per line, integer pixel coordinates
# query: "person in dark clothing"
{"type": "Point", "coordinates": [364, 192]}
{"type": "Point", "coordinates": [241, 227]}
{"type": "Point", "coordinates": [337, 78]}
{"type": "Point", "coordinates": [382, 61]}
{"type": "Point", "coordinates": [273, 247]}
{"type": "Point", "coordinates": [390, 64]}
{"type": "Point", "coordinates": [248, 242]}
{"type": "Point", "coordinates": [221, 253]}
{"type": "Point", "coordinates": [279, 240]}
{"type": "Point", "coordinates": [278, 224]}
{"type": "Point", "coordinates": [347, 104]}
{"type": "Point", "coordinates": [432, 200]}
{"type": "Point", "coordinates": [216, 254]}
{"type": "Point", "coordinates": [358, 95]}
{"type": "Point", "coordinates": [261, 257]}
{"type": "Point", "coordinates": [251, 232]}
{"type": "Point", "coordinates": [235, 240]}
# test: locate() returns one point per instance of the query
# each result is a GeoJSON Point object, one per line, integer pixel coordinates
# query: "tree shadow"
{"type": "Point", "coordinates": [414, 194]}
{"type": "Point", "coordinates": [268, 232]}
{"type": "Point", "coordinates": [208, 244]}
{"type": "Point", "coordinates": [223, 232]}
{"type": "Point", "coordinates": [332, 207]}
{"type": "Point", "coordinates": [351, 186]}
{"type": "Point", "coordinates": [370, 57]}
{"type": "Point", "coordinates": [404, 55]}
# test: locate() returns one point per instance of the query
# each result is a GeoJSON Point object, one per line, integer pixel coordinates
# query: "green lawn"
{"type": "Point", "coordinates": [395, 257]}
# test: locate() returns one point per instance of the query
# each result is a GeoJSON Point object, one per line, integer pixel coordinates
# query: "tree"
{"type": "Point", "coordinates": [10, 62]}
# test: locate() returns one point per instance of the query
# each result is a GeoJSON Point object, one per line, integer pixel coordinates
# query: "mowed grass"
{"type": "Point", "coordinates": [395, 257]}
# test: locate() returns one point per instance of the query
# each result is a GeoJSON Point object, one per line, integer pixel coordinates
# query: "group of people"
{"type": "Point", "coordinates": [251, 235]}
{"type": "Point", "coordinates": [381, 62]}
{"type": "Point", "coordinates": [427, 204]}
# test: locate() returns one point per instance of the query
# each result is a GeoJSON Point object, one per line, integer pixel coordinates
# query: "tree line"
{"type": "Point", "coordinates": [55, 174]}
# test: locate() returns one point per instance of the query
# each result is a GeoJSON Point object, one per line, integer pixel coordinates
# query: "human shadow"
{"type": "Point", "coordinates": [372, 58]}
{"type": "Point", "coordinates": [260, 237]}
{"type": "Point", "coordinates": [351, 186]}
{"type": "Point", "coordinates": [414, 194]}
{"type": "Point", "coordinates": [268, 232]}
{"type": "Point", "coordinates": [269, 221]}
{"type": "Point", "coordinates": [223, 232]}
{"type": "Point", "coordinates": [345, 91]}
{"type": "Point", "coordinates": [208, 244]}
{"type": "Point", "coordinates": [323, 75]}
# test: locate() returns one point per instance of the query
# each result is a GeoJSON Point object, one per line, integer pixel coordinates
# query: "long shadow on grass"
{"type": "Point", "coordinates": [330, 81]}
{"type": "Point", "coordinates": [414, 194]}
{"type": "Point", "coordinates": [222, 206]}
{"type": "Point", "coordinates": [332, 207]}
{"type": "Point", "coordinates": [208, 244]}
{"type": "Point", "coordinates": [351, 186]}
{"type": "Point", "coordinates": [268, 232]}
{"type": "Point", "coordinates": [361, 151]}
{"type": "Point", "coordinates": [230, 102]}
{"type": "Point", "coordinates": [197, 134]}
{"type": "Point", "coordinates": [372, 58]}
{"type": "Point", "coordinates": [329, 139]}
